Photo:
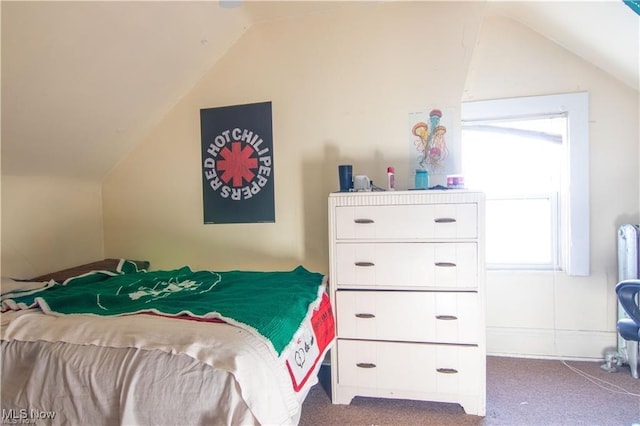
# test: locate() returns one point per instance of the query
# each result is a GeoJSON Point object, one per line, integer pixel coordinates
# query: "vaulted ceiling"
{"type": "Point", "coordinates": [82, 82]}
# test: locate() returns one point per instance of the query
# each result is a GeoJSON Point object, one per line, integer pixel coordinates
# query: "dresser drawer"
{"type": "Point", "coordinates": [407, 221]}
{"type": "Point", "coordinates": [424, 265]}
{"type": "Point", "coordinates": [413, 367]}
{"type": "Point", "coordinates": [436, 317]}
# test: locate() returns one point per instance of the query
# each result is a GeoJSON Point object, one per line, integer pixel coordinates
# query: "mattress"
{"type": "Point", "coordinates": [152, 369]}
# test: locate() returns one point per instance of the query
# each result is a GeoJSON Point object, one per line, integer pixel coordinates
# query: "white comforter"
{"type": "Point", "coordinates": [247, 384]}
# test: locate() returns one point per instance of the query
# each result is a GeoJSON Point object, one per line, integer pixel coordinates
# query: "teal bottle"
{"type": "Point", "coordinates": [422, 179]}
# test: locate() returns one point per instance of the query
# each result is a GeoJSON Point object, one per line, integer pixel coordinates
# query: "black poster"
{"type": "Point", "coordinates": [237, 164]}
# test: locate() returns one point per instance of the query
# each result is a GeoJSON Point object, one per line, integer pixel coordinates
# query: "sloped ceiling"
{"type": "Point", "coordinates": [605, 33]}
{"type": "Point", "coordinates": [82, 82]}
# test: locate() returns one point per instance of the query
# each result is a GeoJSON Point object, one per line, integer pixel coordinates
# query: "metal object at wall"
{"type": "Point", "coordinates": [628, 268]}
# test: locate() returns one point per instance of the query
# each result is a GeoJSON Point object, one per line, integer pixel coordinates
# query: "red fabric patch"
{"type": "Point", "coordinates": [323, 326]}
{"type": "Point", "coordinates": [323, 323]}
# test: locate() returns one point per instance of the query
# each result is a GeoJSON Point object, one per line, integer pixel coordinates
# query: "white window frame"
{"type": "Point", "coordinates": [575, 217]}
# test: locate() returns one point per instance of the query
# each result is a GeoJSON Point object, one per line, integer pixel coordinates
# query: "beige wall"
{"type": "Point", "coordinates": [49, 224]}
{"type": "Point", "coordinates": [341, 85]}
{"type": "Point", "coordinates": [552, 314]}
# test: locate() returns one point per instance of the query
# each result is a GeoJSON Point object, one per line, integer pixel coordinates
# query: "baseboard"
{"type": "Point", "coordinates": [553, 344]}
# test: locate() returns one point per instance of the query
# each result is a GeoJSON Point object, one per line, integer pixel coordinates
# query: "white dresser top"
{"type": "Point", "coordinates": [426, 196]}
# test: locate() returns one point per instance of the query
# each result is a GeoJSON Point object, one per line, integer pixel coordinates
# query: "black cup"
{"type": "Point", "coordinates": [345, 175]}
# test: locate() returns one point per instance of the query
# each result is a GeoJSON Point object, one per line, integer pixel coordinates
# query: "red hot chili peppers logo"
{"type": "Point", "coordinates": [237, 167]}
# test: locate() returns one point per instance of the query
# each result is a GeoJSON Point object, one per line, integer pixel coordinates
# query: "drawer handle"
{"type": "Point", "coordinates": [363, 221]}
{"type": "Point", "coordinates": [365, 264]}
{"type": "Point", "coordinates": [447, 370]}
{"type": "Point", "coordinates": [444, 220]}
{"type": "Point", "coordinates": [446, 264]}
{"type": "Point", "coordinates": [366, 365]}
{"type": "Point", "coordinates": [446, 317]}
{"type": "Point", "coordinates": [365, 316]}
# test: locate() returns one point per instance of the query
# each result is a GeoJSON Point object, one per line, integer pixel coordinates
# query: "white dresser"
{"type": "Point", "coordinates": [407, 286]}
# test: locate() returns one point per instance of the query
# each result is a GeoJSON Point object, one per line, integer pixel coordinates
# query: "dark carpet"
{"type": "Point", "coordinates": [519, 392]}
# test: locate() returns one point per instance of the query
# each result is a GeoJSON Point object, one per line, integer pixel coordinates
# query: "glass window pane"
{"type": "Point", "coordinates": [510, 164]}
{"type": "Point", "coordinates": [519, 232]}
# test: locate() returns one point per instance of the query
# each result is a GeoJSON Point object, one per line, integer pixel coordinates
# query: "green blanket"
{"type": "Point", "coordinates": [273, 304]}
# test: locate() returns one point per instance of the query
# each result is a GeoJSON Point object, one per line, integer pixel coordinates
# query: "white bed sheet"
{"type": "Point", "coordinates": [251, 376]}
{"type": "Point", "coordinates": [130, 387]}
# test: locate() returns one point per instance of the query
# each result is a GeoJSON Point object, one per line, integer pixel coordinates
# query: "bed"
{"type": "Point", "coordinates": [113, 343]}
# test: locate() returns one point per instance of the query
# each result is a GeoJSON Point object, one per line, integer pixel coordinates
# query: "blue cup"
{"type": "Point", "coordinates": [422, 179]}
{"type": "Point", "coordinates": [345, 176]}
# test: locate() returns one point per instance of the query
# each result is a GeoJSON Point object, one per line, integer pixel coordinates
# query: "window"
{"type": "Point", "coordinates": [530, 157]}
{"type": "Point", "coordinates": [518, 164]}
